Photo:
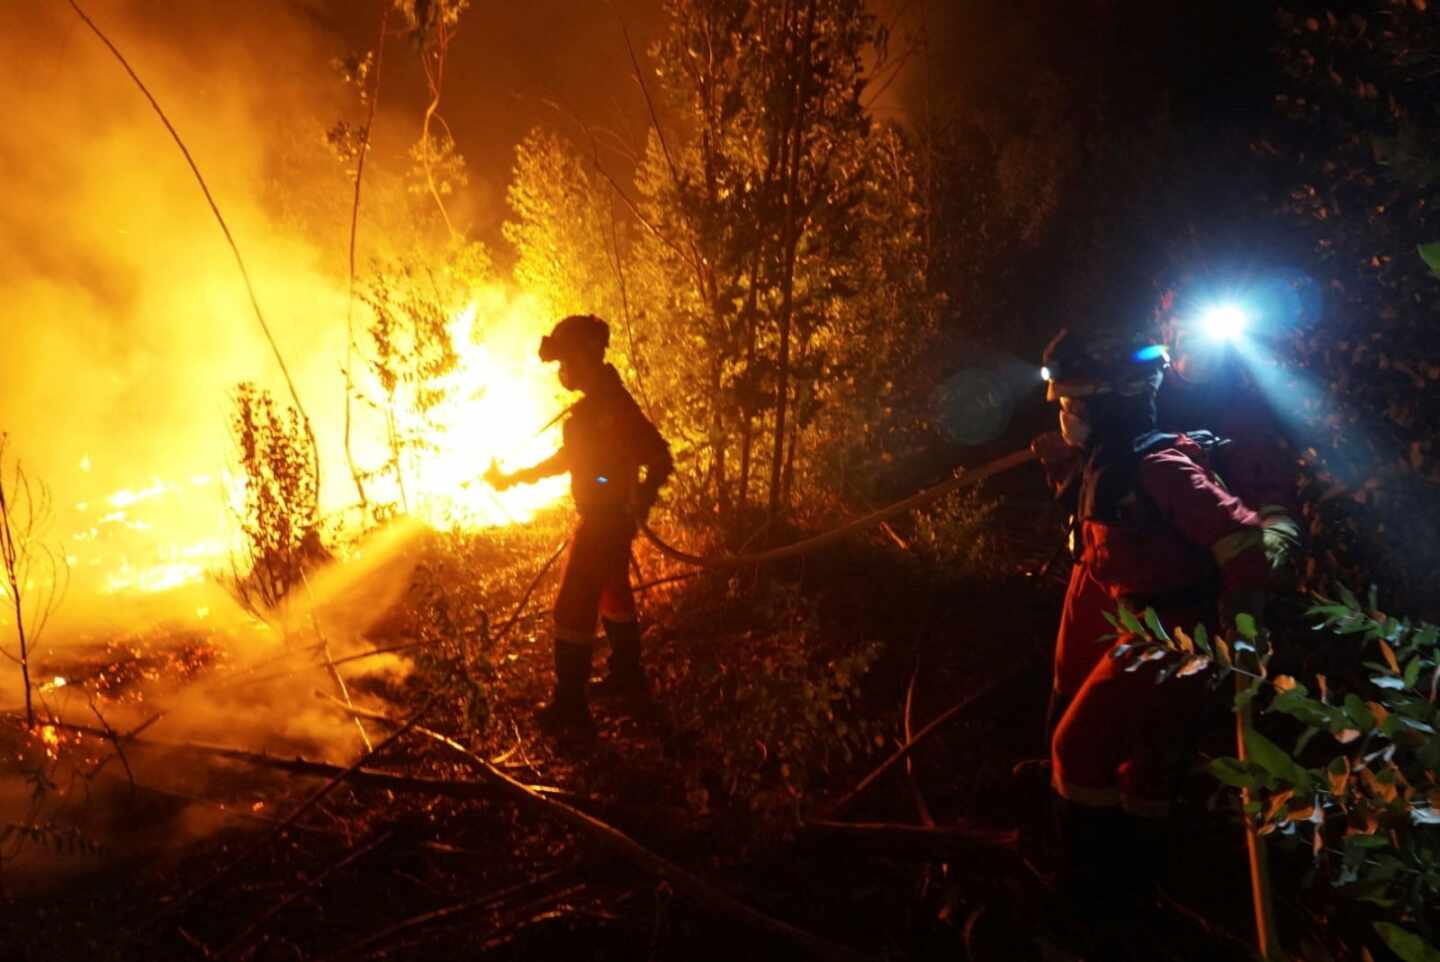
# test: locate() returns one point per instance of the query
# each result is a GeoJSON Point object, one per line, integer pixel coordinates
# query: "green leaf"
{"type": "Point", "coordinates": [1202, 638]}
{"type": "Point", "coordinates": [1409, 946]}
{"type": "Point", "coordinates": [1232, 772]}
{"type": "Point", "coordinates": [1245, 624]}
{"type": "Point", "coordinates": [1130, 622]}
{"type": "Point", "coordinates": [1298, 705]}
{"type": "Point", "coordinates": [1412, 672]}
{"type": "Point", "coordinates": [1430, 254]}
{"type": "Point", "coordinates": [1270, 756]}
{"type": "Point", "coordinates": [1359, 713]}
{"type": "Point", "coordinates": [1152, 621]}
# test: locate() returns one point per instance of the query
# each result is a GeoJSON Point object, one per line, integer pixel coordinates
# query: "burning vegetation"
{"type": "Point", "coordinates": [290, 560]}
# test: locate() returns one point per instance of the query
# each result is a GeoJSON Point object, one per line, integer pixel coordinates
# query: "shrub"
{"type": "Point", "coordinates": [279, 516]}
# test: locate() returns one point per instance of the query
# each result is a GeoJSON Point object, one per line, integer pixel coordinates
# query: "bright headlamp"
{"type": "Point", "coordinates": [1224, 323]}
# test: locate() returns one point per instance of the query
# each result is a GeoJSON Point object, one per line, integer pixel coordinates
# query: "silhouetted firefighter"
{"type": "Point", "coordinates": [607, 442]}
{"type": "Point", "coordinates": [1153, 528]}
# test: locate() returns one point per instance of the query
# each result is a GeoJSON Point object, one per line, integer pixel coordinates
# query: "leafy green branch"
{"type": "Point", "coordinates": [1361, 788]}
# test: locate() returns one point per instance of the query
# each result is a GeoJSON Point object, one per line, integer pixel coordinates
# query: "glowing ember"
{"type": "Point", "coordinates": [51, 738]}
{"type": "Point", "coordinates": [58, 682]}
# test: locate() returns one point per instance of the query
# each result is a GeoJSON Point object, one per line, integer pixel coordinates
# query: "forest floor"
{"type": "Point", "coordinates": [775, 693]}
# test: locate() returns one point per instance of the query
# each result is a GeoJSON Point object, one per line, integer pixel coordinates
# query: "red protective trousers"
{"type": "Point", "coordinates": [597, 577]}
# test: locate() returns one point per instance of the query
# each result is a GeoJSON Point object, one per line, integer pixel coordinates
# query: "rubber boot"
{"type": "Point", "coordinates": [625, 678]}
{"type": "Point", "coordinates": [1095, 877]}
{"type": "Point", "coordinates": [569, 708]}
{"type": "Point", "coordinates": [1149, 859]}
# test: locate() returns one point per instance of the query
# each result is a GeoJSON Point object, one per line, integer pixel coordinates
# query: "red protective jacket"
{"type": "Point", "coordinates": [1159, 530]}
{"type": "Point", "coordinates": [1257, 464]}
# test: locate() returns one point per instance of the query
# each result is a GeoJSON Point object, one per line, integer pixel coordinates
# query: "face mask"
{"type": "Point", "coordinates": [1073, 429]}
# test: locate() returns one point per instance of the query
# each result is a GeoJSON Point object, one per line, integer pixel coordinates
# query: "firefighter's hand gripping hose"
{"type": "Point", "coordinates": [969, 478]}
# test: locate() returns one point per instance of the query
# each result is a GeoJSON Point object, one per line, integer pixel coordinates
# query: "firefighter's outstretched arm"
{"type": "Point", "coordinates": [557, 463]}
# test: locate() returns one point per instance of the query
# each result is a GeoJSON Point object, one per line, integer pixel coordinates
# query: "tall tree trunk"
{"type": "Point", "coordinates": [804, 53]}
{"type": "Point", "coordinates": [752, 320]}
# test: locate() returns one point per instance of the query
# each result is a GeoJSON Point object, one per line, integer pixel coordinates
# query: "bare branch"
{"type": "Point", "coordinates": [354, 230]}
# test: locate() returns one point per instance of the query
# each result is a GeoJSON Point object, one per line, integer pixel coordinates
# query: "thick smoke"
{"type": "Point", "coordinates": [125, 327]}
{"type": "Point", "coordinates": [126, 324]}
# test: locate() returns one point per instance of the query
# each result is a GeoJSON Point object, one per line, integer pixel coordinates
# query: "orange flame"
{"type": "Point", "coordinates": [492, 405]}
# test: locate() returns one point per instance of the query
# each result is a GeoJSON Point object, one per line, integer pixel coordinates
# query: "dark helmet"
{"type": "Point", "coordinates": [576, 334]}
{"type": "Point", "coordinates": [1102, 362]}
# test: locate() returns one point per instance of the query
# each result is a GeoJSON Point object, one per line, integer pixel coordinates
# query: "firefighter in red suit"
{"type": "Point", "coordinates": [1207, 390]}
{"type": "Point", "coordinates": [608, 444]}
{"type": "Point", "coordinates": [1153, 528]}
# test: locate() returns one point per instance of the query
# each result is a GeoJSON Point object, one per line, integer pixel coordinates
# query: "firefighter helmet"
{"type": "Point", "coordinates": [1102, 362]}
{"type": "Point", "coordinates": [576, 334]}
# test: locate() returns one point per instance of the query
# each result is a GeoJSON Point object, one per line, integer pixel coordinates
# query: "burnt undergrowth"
{"type": "Point", "coordinates": [775, 692]}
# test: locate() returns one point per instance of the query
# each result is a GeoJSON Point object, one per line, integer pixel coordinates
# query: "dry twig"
{"type": "Point", "coordinates": [481, 903]}
{"type": "Point", "coordinates": [244, 937]}
{"type": "Point", "coordinates": [921, 808]}
{"type": "Point", "coordinates": [683, 881]}
{"type": "Point", "coordinates": [923, 734]}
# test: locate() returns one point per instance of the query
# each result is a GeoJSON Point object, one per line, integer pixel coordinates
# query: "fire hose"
{"type": "Point", "coordinates": [969, 478]}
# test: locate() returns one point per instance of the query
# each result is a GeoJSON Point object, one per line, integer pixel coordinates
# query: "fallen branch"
{"type": "Point", "coordinates": [937, 844]}
{"type": "Point", "coordinates": [681, 880]}
{"type": "Point", "coordinates": [314, 799]}
{"type": "Point", "coordinates": [361, 777]}
{"type": "Point", "coordinates": [922, 735]}
{"type": "Point", "coordinates": [481, 903]}
{"type": "Point", "coordinates": [489, 788]}
{"type": "Point", "coordinates": [351, 856]}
